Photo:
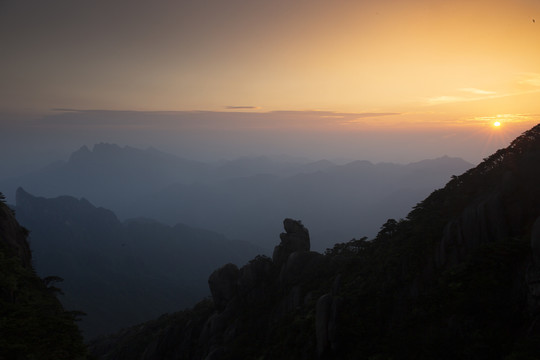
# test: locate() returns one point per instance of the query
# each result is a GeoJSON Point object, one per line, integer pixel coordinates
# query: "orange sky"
{"type": "Point", "coordinates": [433, 63]}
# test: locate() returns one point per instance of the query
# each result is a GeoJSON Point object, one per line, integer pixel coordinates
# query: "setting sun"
{"type": "Point", "coordinates": [496, 124]}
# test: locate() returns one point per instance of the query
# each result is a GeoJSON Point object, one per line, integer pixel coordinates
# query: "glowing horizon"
{"type": "Point", "coordinates": [376, 72]}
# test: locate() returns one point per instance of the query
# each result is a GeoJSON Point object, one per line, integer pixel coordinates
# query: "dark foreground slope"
{"type": "Point", "coordinates": [457, 279]}
{"type": "Point", "coordinates": [33, 324]}
{"type": "Point", "coordinates": [121, 273]}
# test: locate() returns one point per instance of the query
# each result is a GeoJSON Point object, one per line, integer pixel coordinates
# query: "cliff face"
{"type": "Point", "coordinates": [13, 237]}
{"type": "Point", "coordinates": [33, 324]}
{"type": "Point", "coordinates": [459, 278]}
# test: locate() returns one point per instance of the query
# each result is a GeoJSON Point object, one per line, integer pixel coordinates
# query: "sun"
{"type": "Point", "coordinates": [496, 124]}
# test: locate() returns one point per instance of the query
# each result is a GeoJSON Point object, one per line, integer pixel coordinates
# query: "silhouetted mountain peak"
{"type": "Point", "coordinates": [107, 148]}
{"type": "Point", "coordinates": [80, 155]}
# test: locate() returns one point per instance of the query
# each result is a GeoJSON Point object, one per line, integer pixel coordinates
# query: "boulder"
{"type": "Point", "coordinates": [255, 277]}
{"type": "Point", "coordinates": [300, 265]}
{"type": "Point", "coordinates": [223, 285]}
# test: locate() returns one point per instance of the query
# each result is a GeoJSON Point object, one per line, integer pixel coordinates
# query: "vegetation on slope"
{"type": "Point", "coordinates": [33, 324]}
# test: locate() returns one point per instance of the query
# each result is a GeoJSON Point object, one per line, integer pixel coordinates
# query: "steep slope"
{"type": "Point", "coordinates": [118, 273]}
{"type": "Point", "coordinates": [457, 279]}
{"type": "Point", "coordinates": [33, 324]}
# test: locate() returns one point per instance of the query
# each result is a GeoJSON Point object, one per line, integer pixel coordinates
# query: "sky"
{"type": "Point", "coordinates": [383, 80]}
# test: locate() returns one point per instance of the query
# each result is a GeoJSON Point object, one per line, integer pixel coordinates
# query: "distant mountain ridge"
{"type": "Point", "coordinates": [342, 201]}
{"type": "Point", "coordinates": [108, 172]}
{"type": "Point", "coordinates": [245, 196]}
{"type": "Point", "coordinates": [458, 278]}
{"type": "Point", "coordinates": [121, 273]}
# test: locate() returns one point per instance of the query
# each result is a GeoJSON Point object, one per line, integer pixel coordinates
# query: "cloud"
{"type": "Point", "coordinates": [242, 107]}
{"type": "Point", "coordinates": [531, 79]}
{"type": "Point", "coordinates": [234, 120]}
{"type": "Point", "coordinates": [445, 99]}
{"type": "Point", "coordinates": [477, 91]}
{"type": "Point", "coordinates": [530, 84]}
{"type": "Point", "coordinates": [331, 114]}
{"type": "Point", "coordinates": [472, 94]}
{"type": "Point", "coordinates": [507, 118]}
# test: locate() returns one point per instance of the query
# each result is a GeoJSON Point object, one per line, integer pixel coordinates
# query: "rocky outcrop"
{"type": "Point", "coordinates": [295, 238]}
{"type": "Point", "coordinates": [252, 286]}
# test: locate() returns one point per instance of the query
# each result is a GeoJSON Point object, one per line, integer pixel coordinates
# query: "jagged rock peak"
{"type": "Point", "coordinates": [294, 226]}
{"type": "Point", "coordinates": [81, 154]}
{"type": "Point", "coordinates": [101, 149]}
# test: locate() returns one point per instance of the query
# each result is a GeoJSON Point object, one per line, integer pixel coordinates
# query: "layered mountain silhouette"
{"type": "Point", "coordinates": [458, 278]}
{"type": "Point", "coordinates": [243, 198]}
{"type": "Point", "coordinates": [121, 273]}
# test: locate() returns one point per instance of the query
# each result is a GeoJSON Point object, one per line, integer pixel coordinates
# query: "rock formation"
{"type": "Point", "coordinates": [295, 238]}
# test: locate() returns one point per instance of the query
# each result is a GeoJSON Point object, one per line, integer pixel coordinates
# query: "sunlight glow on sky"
{"type": "Point", "coordinates": [417, 64]}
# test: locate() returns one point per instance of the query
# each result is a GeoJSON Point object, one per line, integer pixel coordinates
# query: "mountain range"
{"type": "Point", "coordinates": [243, 197]}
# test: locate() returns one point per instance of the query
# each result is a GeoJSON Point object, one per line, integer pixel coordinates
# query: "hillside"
{"type": "Point", "coordinates": [456, 279]}
{"type": "Point", "coordinates": [121, 273]}
{"type": "Point", "coordinates": [33, 323]}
